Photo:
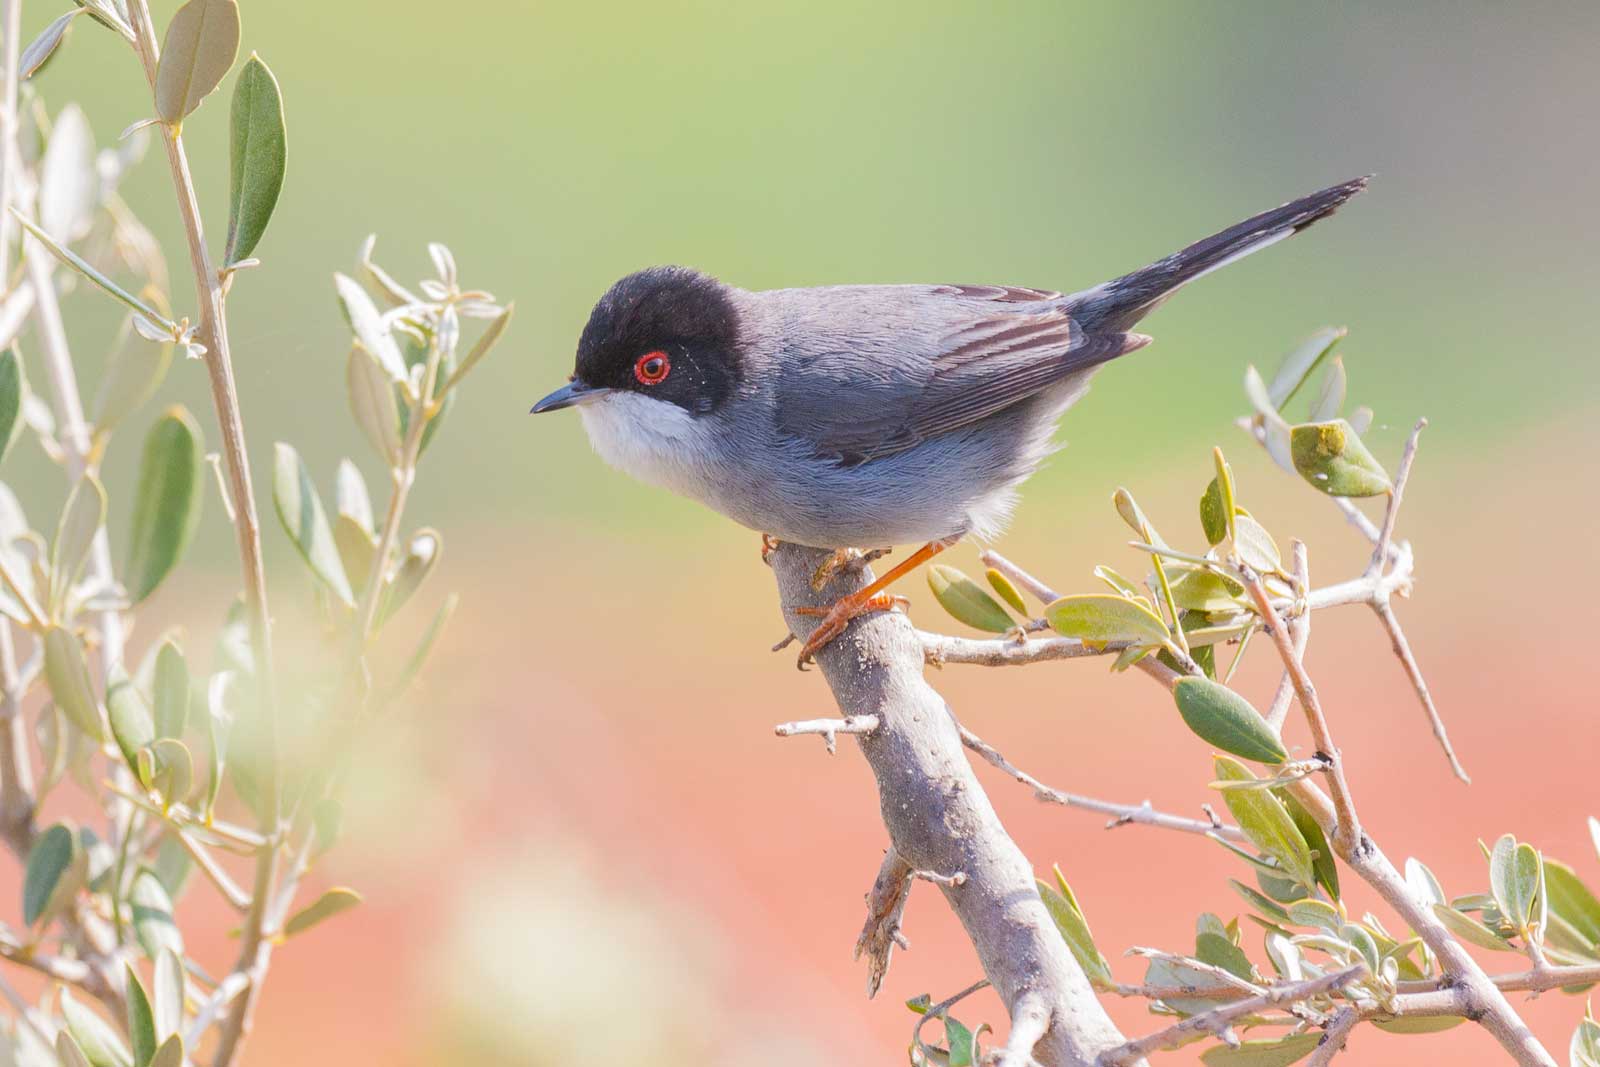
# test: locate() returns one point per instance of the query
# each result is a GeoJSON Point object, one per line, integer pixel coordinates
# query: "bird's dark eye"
{"type": "Point", "coordinates": [652, 368]}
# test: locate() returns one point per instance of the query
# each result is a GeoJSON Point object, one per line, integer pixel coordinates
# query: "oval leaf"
{"type": "Point", "coordinates": [258, 142]}
{"type": "Point", "coordinates": [1301, 363]}
{"type": "Point", "coordinates": [150, 906]}
{"type": "Point", "coordinates": [1223, 718]}
{"type": "Point", "coordinates": [167, 993]}
{"type": "Point", "coordinates": [1099, 618]}
{"type": "Point", "coordinates": [49, 861]}
{"type": "Point", "coordinates": [1008, 592]}
{"type": "Point", "coordinates": [1213, 519]}
{"type": "Point", "coordinates": [300, 511]}
{"type": "Point", "coordinates": [966, 601]}
{"type": "Point", "coordinates": [1572, 901]}
{"type": "Point", "coordinates": [362, 315]}
{"type": "Point", "coordinates": [1255, 545]}
{"type": "Point", "coordinates": [372, 402]}
{"type": "Point", "coordinates": [170, 1054]}
{"type": "Point", "coordinates": [171, 690]}
{"type": "Point", "coordinates": [1322, 854]}
{"type": "Point", "coordinates": [1469, 929]}
{"type": "Point", "coordinates": [326, 906]}
{"type": "Point", "coordinates": [422, 555]}
{"type": "Point", "coordinates": [132, 725]}
{"type": "Point", "coordinates": [10, 398]}
{"type": "Point", "coordinates": [166, 510]}
{"type": "Point", "coordinates": [81, 519]}
{"type": "Point", "coordinates": [1331, 456]}
{"type": "Point", "coordinates": [350, 496]}
{"type": "Point", "coordinates": [42, 47]}
{"type": "Point", "coordinates": [1074, 928]}
{"type": "Point", "coordinates": [201, 44]}
{"type": "Point", "coordinates": [67, 676]}
{"type": "Point", "coordinates": [141, 1020]}
{"type": "Point", "coordinates": [1266, 822]}
{"type": "Point", "coordinates": [96, 1038]}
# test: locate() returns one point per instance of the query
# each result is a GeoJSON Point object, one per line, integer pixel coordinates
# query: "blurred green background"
{"type": "Point", "coordinates": [558, 146]}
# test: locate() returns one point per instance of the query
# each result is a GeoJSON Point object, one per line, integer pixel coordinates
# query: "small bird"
{"type": "Point", "coordinates": [858, 416]}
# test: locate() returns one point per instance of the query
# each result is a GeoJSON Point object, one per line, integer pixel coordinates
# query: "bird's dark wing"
{"type": "Point", "coordinates": [935, 360]}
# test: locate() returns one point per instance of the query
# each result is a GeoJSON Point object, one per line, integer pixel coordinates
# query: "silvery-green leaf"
{"type": "Point", "coordinates": [167, 993]}
{"type": "Point", "coordinates": [141, 1020]}
{"type": "Point", "coordinates": [1572, 900]}
{"type": "Point", "coordinates": [1203, 589]}
{"type": "Point", "coordinates": [396, 294]}
{"type": "Point", "coordinates": [1322, 861]}
{"type": "Point", "coordinates": [1227, 494]}
{"type": "Point", "coordinates": [1223, 718]}
{"type": "Point", "coordinates": [422, 555]}
{"type": "Point", "coordinates": [132, 725]}
{"type": "Point", "coordinates": [1008, 592]}
{"type": "Point", "coordinates": [329, 904]}
{"type": "Point", "coordinates": [1420, 1024]}
{"type": "Point", "coordinates": [170, 691]}
{"type": "Point", "coordinates": [256, 157]}
{"type": "Point", "coordinates": [1279, 1052]}
{"type": "Point", "coordinates": [11, 389]}
{"type": "Point", "coordinates": [1585, 1047]}
{"type": "Point", "coordinates": [42, 47]}
{"type": "Point", "coordinates": [1331, 456]}
{"type": "Point", "coordinates": [112, 14]}
{"type": "Point", "coordinates": [68, 1051]}
{"type": "Point", "coordinates": [48, 880]}
{"type": "Point", "coordinates": [1099, 618]}
{"type": "Point", "coordinates": [1316, 913]}
{"type": "Point", "coordinates": [83, 267]}
{"type": "Point", "coordinates": [481, 347]}
{"type": "Point", "coordinates": [966, 601]}
{"type": "Point", "coordinates": [369, 327]}
{"type": "Point", "coordinates": [150, 908]}
{"type": "Point", "coordinates": [1134, 516]}
{"type": "Point", "coordinates": [350, 495]}
{"type": "Point", "coordinates": [1301, 363]}
{"type": "Point", "coordinates": [1265, 822]}
{"type": "Point", "coordinates": [1514, 878]}
{"type": "Point", "coordinates": [81, 519]}
{"type": "Point", "coordinates": [1361, 420]}
{"type": "Point", "coordinates": [67, 676]}
{"type": "Point", "coordinates": [173, 865]}
{"type": "Point", "coordinates": [357, 550]}
{"type": "Point", "coordinates": [1330, 400]}
{"type": "Point", "coordinates": [170, 1054]}
{"type": "Point", "coordinates": [1255, 546]}
{"type": "Point", "coordinates": [96, 1038]}
{"type": "Point", "coordinates": [134, 374]}
{"type": "Point", "coordinates": [444, 264]}
{"type": "Point", "coordinates": [1074, 928]}
{"type": "Point", "coordinates": [1424, 886]}
{"type": "Point", "coordinates": [166, 509]}
{"type": "Point", "coordinates": [68, 183]}
{"type": "Point", "coordinates": [1116, 581]}
{"type": "Point", "coordinates": [1268, 907]}
{"type": "Point", "coordinates": [1469, 929]}
{"type": "Point", "coordinates": [300, 511]}
{"type": "Point", "coordinates": [372, 402]}
{"type": "Point", "coordinates": [201, 43]}
{"type": "Point", "coordinates": [1213, 520]}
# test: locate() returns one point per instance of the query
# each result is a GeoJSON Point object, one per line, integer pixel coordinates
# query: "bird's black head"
{"type": "Point", "coordinates": [670, 333]}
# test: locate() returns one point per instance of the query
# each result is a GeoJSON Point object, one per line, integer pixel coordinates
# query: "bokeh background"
{"type": "Point", "coordinates": [581, 843]}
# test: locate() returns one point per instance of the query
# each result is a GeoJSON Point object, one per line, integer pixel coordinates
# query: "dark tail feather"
{"type": "Point", "coordinates": [1117, 305]}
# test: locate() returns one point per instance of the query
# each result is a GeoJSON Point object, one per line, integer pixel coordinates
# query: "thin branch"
{"type": "Point", "coordinates": [72, 972]}
{"type": "Point", "coordinates": [1380, 550]}
{"type": "Point", "coordinates": [208, 864]}
{"type": "Point", "coordinates": [17, 801]}
{"type": "Point", "coordinates": [1334, 1037]}
{"type": "Point", "coordinates": [1218, 1019]}
{"type": "Point", "coordinates": [9, 160]}
{"type": "Point", "coordinates": [1122, 814]}
{"type": "Point", "coordinates": [1300, 631]}
{"type": "Point", "coordinates": [1537, 980]}
{"type": "Point", "coordinates": [1402, 649]}
{"type": "Point", "coordinates": [829, 729]}
{"type": "Point", "coordinates": [1019, 577]}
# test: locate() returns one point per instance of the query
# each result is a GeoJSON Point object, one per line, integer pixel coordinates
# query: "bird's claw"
{"type": "Point", "coordinates": [837, 617]}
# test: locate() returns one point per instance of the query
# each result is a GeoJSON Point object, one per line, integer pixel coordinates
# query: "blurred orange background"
{"type": "Point", "coordinates": [581, 842]}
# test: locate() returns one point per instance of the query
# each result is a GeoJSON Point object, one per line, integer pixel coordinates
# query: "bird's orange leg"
{"type": "Point", "coordinates": [870, 599]}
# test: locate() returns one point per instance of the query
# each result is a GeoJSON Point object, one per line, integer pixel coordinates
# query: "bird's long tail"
{"type": "Point", "coordinates": [1116, 305]}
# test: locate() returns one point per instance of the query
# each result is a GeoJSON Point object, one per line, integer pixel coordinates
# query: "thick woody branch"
{"type": "Point", "coordinates": [939, 818]}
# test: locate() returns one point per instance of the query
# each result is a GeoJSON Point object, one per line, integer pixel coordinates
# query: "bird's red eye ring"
{"type": "Point", "coordinates": [652, 368]}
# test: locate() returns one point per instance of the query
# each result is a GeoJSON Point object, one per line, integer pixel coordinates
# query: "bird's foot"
{"type": "Point", "coordinates": [844, 561]}
{"type": "Point", "coordinates": [769, 545]}
{"type": "Point", "coordinates": [837, 617]}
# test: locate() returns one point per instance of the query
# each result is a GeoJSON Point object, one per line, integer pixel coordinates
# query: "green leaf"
{"type": "Point", "coordinates": [134, 373]}
{"type": "Point", "coordinates": [258, 142]}
{"type": "Point", "coordinates": [480, 348]}
{"type": "Point", "coordinates": [329, 904]}
{"type": "Point", "coordinates": [1301, 363]}
{"type": "Point", "coordinates": [166, 509]}
{"type": "Point", "coordinates": [1316, 913]}
{"type": "Point", "coordinates": [1514, 880]}
{"type": "Point", "coordinates": [50, 861]}
{"type": "Point", "coordinates": [1223, 718]}
{"type": "Point", "coordinates": [1226, 493]}
{"type": "Point", "coordinates": [372, 402]}
{"type": "Point", "coordinates": [1572, 901]}
{"type": "Point", "coordinates": [83, 267]}
{"type": "Point", "coordinates": [42, 47]}
{"type": "Point", "coordinates": [68, 182]}
{"type": "Point", "coordinates": [369, 327]}
{"type": "Point", "coordinates": [96, 1038]}
{"type": "Point", "coordinates": [1255, 545]}
{"type": "Point", "coordinates": [1330, 401]}
{"type": "Point", "coordinates": [171, 691]}
{"type": "Point", "coordinates": [966, 601]}
{"type": "Point", "coordinates": [1101, 619]}
{"type": "Point", "coordinates": [1424, 886]}
{"type": "Point", "coordinates": [81, 519]}
{"type": "Point", "coordinates": [174, 770]}
{"type": "Point", "coordinates": [1203, 589]}
{"type": "Point", "coordinates": [357, 550]}
{"type": "Point", "coordinates": [153, 924]}
{"type": "Point", "coordinates": [1323, 861]}
{"type": "Point", "coordinates": [1331, 457]}
{"type": "Point", "coordinates": [167, 993]}
{"type": "Point", "coordinates": [1213, 519]}
{"type": "Point", "coordinates": [1068, 917]}
{"type": "Point", "coordinates": [201, 44]}
{"type": "Point", "coordinates": [1261, 902]}
{"type": "Point", "coordinates": [1469, 929]}
{"type": "Point", "coordinates": [1585, 1048]}
{"type": "Point", "coordinates": [141, 1021]}
{"type": "Point", "coordinates": [1418, 1024]}
{"type": "Point", "coordinates": [351, 499]}
{"type": "Point", "coordinates": [10, 398]}
{"type": "Point", "coordinates": [67, 676]}
{"type": "Point", "coordinates": [69, 1052]}
{"type": "Point", "coordinates": [132, 725]}
{"type": "Point", "coordinates": [1008, 592]}
{"type": "Point", "coordinates": [1266, 822]}
{"type": "Point", "coordinates": [170, 1054]}
{"type": "Point", "coordinates": [300, 511]}
{"type": "Point", "coordinates": [1278, 1053]}
{"type": "Point", "coordinates": [1217, 950]}
{"type": "Point", "coordinates": [422, 556]}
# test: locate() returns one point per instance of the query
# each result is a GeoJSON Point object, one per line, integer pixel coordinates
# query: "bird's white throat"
{"type": "Point", "coordinates": [651, 440]}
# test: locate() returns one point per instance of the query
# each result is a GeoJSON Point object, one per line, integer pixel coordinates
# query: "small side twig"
{"type": "Point", "coordinates": [828, 729]}
{"type": "Point", "coordinates": [938, 1011]}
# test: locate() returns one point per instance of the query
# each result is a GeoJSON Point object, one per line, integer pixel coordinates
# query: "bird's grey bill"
{"type": "Point", "coordinates": [569, 395]}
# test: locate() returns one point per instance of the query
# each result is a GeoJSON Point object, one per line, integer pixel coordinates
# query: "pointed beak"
{"type": "Point", "coordinates": [569, 395]}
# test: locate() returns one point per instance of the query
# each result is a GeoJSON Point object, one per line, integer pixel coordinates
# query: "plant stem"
{"type": "Point", "coordinates": [8, 133]}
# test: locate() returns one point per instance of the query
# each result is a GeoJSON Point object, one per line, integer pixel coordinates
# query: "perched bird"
{"type": "Point", "coordinates": [859, 416]}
